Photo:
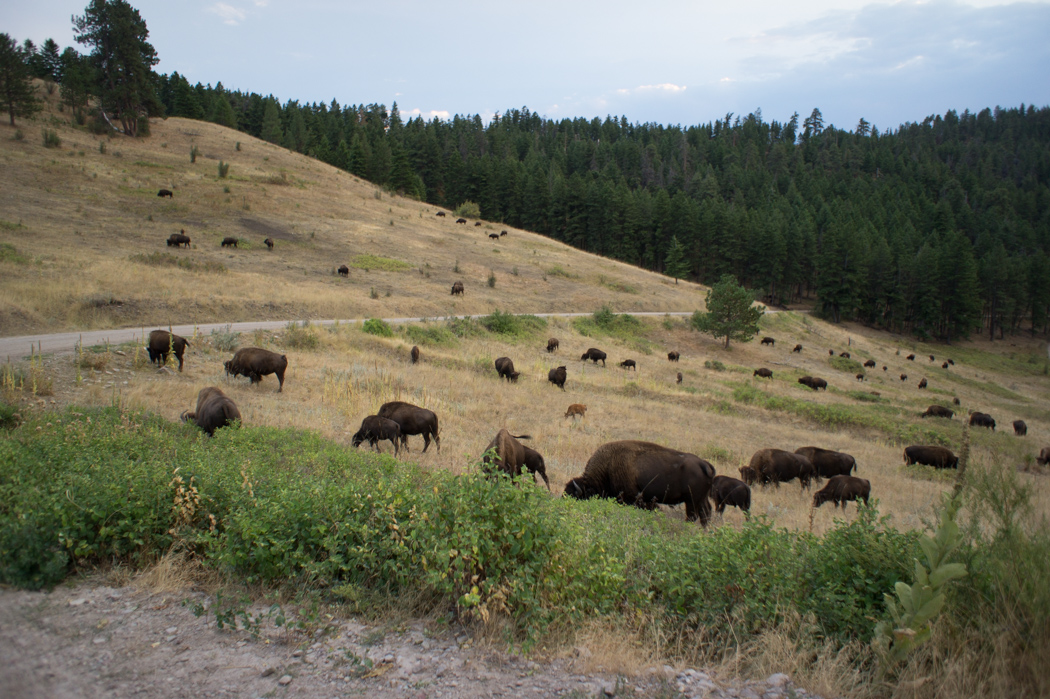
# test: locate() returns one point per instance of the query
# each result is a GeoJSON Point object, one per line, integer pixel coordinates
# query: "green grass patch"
{"type": "Point", "coordinates": [8, 226]}
{"type": "Point", "coordinates": [846, 364]}
{"type": "Point", "coordinates": [626, 328]}
{"type": "Point", "coordinates": [617, 285]}
{"type": "Point", "coordinates": [714, 365]}
{"type": "Point", "coordinates": [430, 334]}
{"type": "Point", "coordinates": [508, 325]}
{"type": "Point", "coordinates": [166, 259]}
{"type": "Point", "coordinates": [377, 326]}
{"type": "Point", "coordinates": [382, 264]}
{"type": "Point", "coordinates": [558, 271]}
{"type": "Point", "coordinates": [863, 396]}
{"type": "Point", "coordinates": [8, 253]}
{"type": "Point", "coordinates": [146, 163]}
{"type": "Point", "coordinates": [300, 336]}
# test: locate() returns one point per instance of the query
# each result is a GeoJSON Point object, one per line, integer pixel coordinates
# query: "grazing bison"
{"type": "Point", "coordinates": [535, 464]}
{"type": "Point", "coordinates": [922, 383]}
{"type": "Point", "coordinates": [629, 364]}
{"type": "Point", "coordinates": [831, 353]}
{"type": "Point", "coordinates": [552, 345]}
{"type": "Point", "coordinates": [461, 220]}
{"type": "Point", "coordinates": [904, 377]}
{"type": "Point", "coordinates": [576, 409]}
{"type": "Point", "coordinates": [673, 356]}
{"type": "Point", "coordinates": [679, 378]}
{"type": "Point", "coordinates": [414, 354]}
{"type": "Point", "coordinates": [214, 410]}
{"type": "Point", "coordinates": [228, 242]}
{"type": "Point", "coordinates": [938, 457]}
{"type": "Point", "coordinates": [412, 420]}
{"type": "Point", "coordinates": [982, 420]}
{"type": "Point", "coordinates": [748, 475]}
{"type": "Point", "coordinates": [477, 223]}
{"type": "Point", "coordinates": [494, 236]}
{"type": "Point", "coordinates": [1020, 428]}
{"type": "Point", "coordinates": [938, 411]}
{"type": "Point", "coordinates": [375, 429]}
{"type": "Point", "coordinates": [944, 366]}
{"type": "Point", "coordinates": [161, 342]}
{"type": "Point", "coordinates": [457, 288]}
{"type": "Point", "coordinates": [932, 358]}
{"type": "Point", "coordinates": [956, 401]}
{"type": "Point", "coordinates": [441, 214]}
{"type": "Point", "coordinates": [726, 490]}
{"type": "Point", "coordinates": [505, 369]}
{"type": "Point", "coordinates": [179, 239]}
{"type": "Point", "coordinates": [344, 271]}
{"type": "Point", "coordinates": [814, 383]}
{"type": "Point", "coordinates": [844, 354]}
{"type": "Point", "coordinates": [870, 364]}
{"type": "Point", "coordinates": [951, 362]}
{"type": "Point", "coordinates": [505, 454]}
{"type": "Point", "coordinates": [769, 341]}
{"type": "Point", "coordinates": [860, 377]}
{"type": "Point", "coordinates": [1044, 456]}
{"type": "Point", "coordinates": [166, 193]}
{"type": "Point", "coordinates": [763, 373]}
{"type": "Point", "coordinates": [268, 243]}
{"type": "Point", "coordinates": [645, 475]}
{"type": "Point", "coordinates": [502, 234]}
{"type": "Point", "coordinates": [884, 367]}
{"type": "Point", "coordinates": [557, 377]}
{"type": "Point", "coordinates": [778, 466]}
{"type": "Point", "coordinates": [255, 363]}
{"type": "Point", "coordinates": [798, 348]}
{"type": "Point", "coordinates": [594, 355]}
{"type": "Point", "coordinates": [842, 489]}
{"type": "Point", "coordinates": [910, 357]}
{"type": "Point", "coordinates": [827, 462]}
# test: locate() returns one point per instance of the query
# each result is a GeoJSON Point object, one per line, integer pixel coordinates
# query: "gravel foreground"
{"type": "Point", "coordinates": [87, 641]}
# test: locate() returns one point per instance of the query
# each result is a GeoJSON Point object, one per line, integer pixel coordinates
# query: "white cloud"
{"type": "Point", "coordinates": [662, 87]}
{"type": "Point", "coordinates": [261, 3]}
{"type": "Point", "coordinates": [228, 14]}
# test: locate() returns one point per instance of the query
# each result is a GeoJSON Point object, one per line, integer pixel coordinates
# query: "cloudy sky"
{"type": "Point", "coordinates": [658, 61]}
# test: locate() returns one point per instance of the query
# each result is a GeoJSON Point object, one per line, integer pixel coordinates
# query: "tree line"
{"type": "Point", "coordinates": [939, 228]}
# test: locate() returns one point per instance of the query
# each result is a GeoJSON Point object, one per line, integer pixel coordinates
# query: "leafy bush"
{"type": "Point", "coordinates": [225, 340]}
{"type": "Point", "coordinates": [377, 326]}
{"type": "Point", "coordinates": [624, 327]}
{"type": "Point", "coordinates": [224, 169]}
{"type": "Point", "coordinates": [846, 364]}
{"type": "Point", "coordinates": [430, 334]}
{"type": "Point", "coordinates": [300, 336]}
{"type": "Point", "coordinates": [510, 325]}
{"type": "Point", "coordinates": [714, 364]}
{"type": "Point", "coordinates": [468, 209]}
{"type": "Point", "coordinates": [51, 138]}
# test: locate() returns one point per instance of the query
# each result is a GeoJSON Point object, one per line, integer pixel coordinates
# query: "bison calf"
{"type": "Point", "coordinates": [763, 373]}
{"type": "Point", "coordinates": [576, 409]}
{"type": "Point", "coordinates": [629, 364]}
{"type": "Point", "coordinates": [214, 410]}
{"type": "Point", "coordinates": [730, 491]}
{"type": "Point", "coordinates": [375, 429]}
{"type": "Point", "coordinates": [842, 489]}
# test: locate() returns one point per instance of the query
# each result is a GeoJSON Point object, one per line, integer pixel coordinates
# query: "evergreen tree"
{"type": "Point", "coordinates": [730, 313]}
{"type": "Point", "coordinates": [50, 61]}
{"type": "Point", "coordinates": [271, 123]}
{"type": "Point", "coordinates": [223, 112]}
{"type": "Point", "coordinates": [17, 93]}
{"type": "Point", "coordinates": [76, 82]}
{"type": "Point", "coordinates": [675, 264]}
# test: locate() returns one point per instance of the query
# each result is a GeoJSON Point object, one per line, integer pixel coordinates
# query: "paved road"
{"type": "Point", "coordinates": [65, 343]}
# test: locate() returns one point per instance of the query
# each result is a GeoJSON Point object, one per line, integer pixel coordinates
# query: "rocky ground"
{"type": "Point", "coordinates": [91, 641]}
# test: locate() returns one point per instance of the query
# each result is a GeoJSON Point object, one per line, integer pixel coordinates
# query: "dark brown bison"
{"type": "Point", "coordinates": [535, 464]}
{"type": "Point", "coordinates": [552, 345]}
{"type": "Point", "coordinates": [505, 369]}
{"type": "Point", "coordinates": [502, 234]}
{"type": "Point", "coordinates": [229, 242]}
{"type": "Point", "coordinates": [748, 475]}
{"type": "Point", "coordinates": [982, 420]}
{"type": "Point", "coordinates": [268, 243]}
{"type": "Point", "coordinates": [166, 193]}
{"type": "Point", "coordinates": [831, 353]}
{"type": "Point", "coordinates": [457, 288]}
{"type": "Point", "coordinates": [860, 377]}
{"type": "Point", "coordinates": [629, 364]}
{"type": "Point", "coordinates": [414, 354]}
{"type": "Point", "coordinates": [814, 383]}
{"type": "Point", "coordinates": [769, 341]}
{"type": "Point", "coordinates": [255, 363]}
{"type": "Point", "coordinates": [951, 362]}
{"type": "Point", "coordinates": [1020, 428]}
{"type": "Point", "coordinates": [461, 220]}
{"type": "Point", "coordinates": [375, 429]}
{"type": "Point", "coordinates": [493, 236]}
{"type": "Point", "coordinates": [798, 348]}
{"type": "Point", "coordinates": [214, 410]}
{"type": "Point", "coordinates": [594, 355]}
{"type": "Point", "coordinates": [922, 383]}
{"type": "Point", "coordinates": [412, 420]}
{"type": "Point", "coordinates": [938, 411]}
{"type": "Point", "coordinates": [827, 462]}
{"type": "Point", "coordinates": [477, 223]}
{"type": "Point", "coordinates": [557, 377]}
{"type": "Point", "coordinates": [505, 454]}
{"type": "Point", "coordinates": [870, 364]}
{"type": "Point", "coordinates": [679, 378]}
{"type": "Point", "coordinates": [944, 366]}
{"type": "Point", "coordinates": [441, 214]}
{"type": "Point", "coordinates": [844, 354]}
{"type": "Point", "coordinates": [645, 475]}
{"type": "Point", "coordinates": [938, 457]}
{"type": "Point", "coordinates": [842, 489]}
{"type": "Point", "coordinates": [910, 357]}
{"type": "Point", "coordinates": [673, 356]}
{"type": "Point", "coordinates": [777, 466]}
{"type": "Point", "coordinates": [884, 367]}
{"type": "Point", "coordinates": [161, 342]}
{"type": "Point", "coordinates": [344, 271]}
{"type": "Point", "coordinates": [178, 239]}
{"type": "Point", "coordinates": [1044, 456]}
{"type": "Point", "coordinates": [932, 358]}
{"type": "Point", "coordinates": [763, 373]}
{"type": "Point", "coordinates": [726, 490]}
{"type": "Point", "coordinates": [576, 409]}
{"type": "Point", "coordinates": [956, 401]}
{"type": "Point", "coordinates": [904, 377]}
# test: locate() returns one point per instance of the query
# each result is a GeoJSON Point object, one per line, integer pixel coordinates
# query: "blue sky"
{"type": "Point", "coordinates": [664, 62]}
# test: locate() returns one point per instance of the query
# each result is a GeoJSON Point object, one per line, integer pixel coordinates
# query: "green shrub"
{"type": "Point", "coordinates": [300, 336]}
{"type": "Point", "coordinates": [430, 334]}
{"type": "Point", "coordinates": [714, 364]}
{"type": "Point", "coordinates": [225, 340]}
{"type": "Point", "coordinates": [224, 169]}
{"type": "Point", "coordinates": [377, 326]}
{"type": "Point", "coordinates": [492, 279]}
{"type": "Point", "coordinates": [468, 209]}
{"type": "Point", "coordinates": [850, 366]}
{"type": "Point", "coordinates": [514, 326]}
{"type": "Point", "coordinates": [51, 139]}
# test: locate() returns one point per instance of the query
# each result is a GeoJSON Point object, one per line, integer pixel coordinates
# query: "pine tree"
{"type": "Point", "coordinates": [17, 93]}
{"type": "Point", "coordinates": [50, 60]}
{"type": "Point", "coordinates": [76, 82]}
{"type": "Point", "coordinates": [223, 112]}
{"type": "Point", "coordinates": [675, 264]}
{"type": "Point", "coordinates": [730, 313]}
{"type": "Point", "coordinates": [271, 123]}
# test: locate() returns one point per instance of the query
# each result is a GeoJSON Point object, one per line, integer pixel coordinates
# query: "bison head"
{"type": "Point", "coordinates": [578, 490]}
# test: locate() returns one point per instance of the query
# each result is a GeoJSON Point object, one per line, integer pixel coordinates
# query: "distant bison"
{"type": "Point", "coordinates": [938, 411]}
{"type": "Point", "coordinates": [814, 383]}
{"type": "Point", "coordinates": [557, 377]}
{"type": "Point", "coordinates": [344, 271]}
{"type": "Point", "coordinates": [842, 489]}
{"type": "Point", "coordinates": [982, 420]}
{"type": "Point", "coordinates": [748, 475]}
{"type": "Point", "coordinates": [951, 362]}
{"type": "Point", "coordinates": [956, 401]}
{"type": "Point", "coordinates": [645, 475]}
{"type": "Point", "coordinates": [161, 342]}
{"type": "Point", "coordinates": [594, 355]}
{"type": "Point", "coordinates": [932, 358]}
{"type": "Point", "coordinates": [494, 236]}
{"type": "Point", "coordinates": [922, 383]}
{"type": "Point", "coordinates": [938, 457]}
{"type": "Point", "coordinates": [502, 234]}
{"type": "Point", "coordinates": [414, 354]}
{"type": "Point", "coordinates": [904, 377]}
{"type": "Point", "coordinates": [441, 214]}
{"type": "Point", "coordinates": [844, 354]}
{"type": "Point", "coordinates": [576, 410]}
{"type": "Point", "coordinates": [1044, 456]}
{"type": "Point", "coordinates": [726, 490]}
{"type": "Point", "coordinates": [412, 420]}
{"type": "Point", "coordinates": [255, 363]}
{"type": "Point", "coordinates": [505, 369]}
{"type": "Point", "coordinates": [910, 357]}
{"type": "Point", "coordinates": [552, 345]}
{"type": "Point", "coordinates": [629, 364]}
{"type": "Point", "coordinates": [777, 466]}
{"type": "Point", "coordinates": [1020, 428]}
{"type": "Point", "coordinates": [798, 348]}
{"type": "Point", "coordinates": [673, 356]}
{"type": "Point", "coordinates": [229, 242]}
{"type": "Point", "coordinates": [268, 243]}
{"type": "Point", "coordinates": [860, 377]}
{"type": "Point", "coordinates": [457, 288]}
{"type": "Point", "coordinates": [944, 366]}
{"type": "Point", "coordinates": [679, 378]}
{"type": "Point", "coordinates": [769, 341]}
{"type": "Point", "coordinates": [375, 429]}
{"type": "Point", "coordinates": [477, 223]}
{"type": "Point", "coordinates": [870, 364]}
{"type": "Point", "coordinates": [178, 239]}
{"type": "Point", "coordinates": [505, 454]}
{"type": "Point", "coordinates": [827, 462]}
{"type": "Point", "coordinates": [831, 353]}
{"type": "Point", "coordinates": [214, 410]}
{"type": "Point", "coordinates": [166, 193]}
{"type": "Point", "coordinates": [763, 373]}
{"type": "Point", "coordinates": [461, 220]}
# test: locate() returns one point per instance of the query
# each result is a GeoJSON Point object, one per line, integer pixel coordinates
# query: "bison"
{"type": "Point", "coordinates": [461, 220]}
{"type": "Point", "coordinates": [904, 377]}
{"type": "Point", "coordinates": [557, 377]}
{"type": "Point", "coordinates": [505, 454]}
{"type": "Point", "coordinates": [831, 353]}
{"type": "Point", "coordinates": [228, 242]}
{"type": "Point", "coordinates": [268, 243]}
{"type": "Point", "coordinates": [1020, 428]}
{"type": "Point", "coordinates": [535, 464]}
{"type": "Point", "coordinates": [505, 369]}
{"type": "Point", "coordinates": [827, 462]}
{"type": "Point", "coordinates": [412, 420]}
{"type": "Point", "coordinates": [344, 271]}
{"type": "Point", "coordinates": [1044, 456]}
{"type": "Point", "coordinates": [441, 214]}
{"type": "Point", "coordinates": [414, 354]}
{"type": "Point", "coordinates": [982, 420]}
{"type": "Point", "coordinates": [679, 378]}
{"type": "Point", "coordinates": [477, 223]}
{"type": "Point", "coordinates": [955, 401]}
{"type": "Point", "coordinates": [673, 356]}
{"type": "Point", "coordinates": [798, 348]}
{"type": "Point", "coordinates": [161, 342]}
{"type": "Point", "coordinates": [552, 345]}
{"type": "Point", "coordinates": [814, 383]}
{"type": "Point", "coordinates": [910, 357]}
{"type": "Point", "coordinates": [944, 366]}
{"type": "Point", "coordinates": [179, 239]}
{"type": "Point", "coordinates": [938, 411]}
{"type": "Point", "coordinates": [629, 364]}
{"type": "Point", "coordinates": [951, 362]}
{"type": "Point", "coordinates": [255, 363]}
{"type": "Point", "coordinates": [166, 193]}
{"type": "Point", "coordinates": [576, 409]}
{"type": "Point", "coordinates": [493, 236]}
{"type": "Point", "coordinates": [594, 355]}
{"type": "Point", "coordinates": [844, 354]}
{"type": "Point", "coordinates": [778, 466]}
{"type": "Point", "coordinates": [502, 234]}
{"type": "Point", "coordinates": [763, 373]}
{"type": "Point", "coordinates": [457, 289]}
{"type": "Point", "coordinates": [938, 457]}
{"type": "Point", "coordinates": [842, 489]}
{"type": "Point", "coordinates": [748, 475]}
{"type": "Point", "coordinates": [769, 341]}
{"type": "Point", "coordinates": [870, 364]}
{"type": "Point", "coordinates": [645, 475]}
{"type": "Point", "coordinates": [860, 377]}
{"type": "Point", "coordinates": [726, 490]}
{"type": "Point", "coordinates": [214, 410]}
{"type": "Point", "coordinates": [375, 429]}
{"type": "Point", "coordinates": [922, 383]}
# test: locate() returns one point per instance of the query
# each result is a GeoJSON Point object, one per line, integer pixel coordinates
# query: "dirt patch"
{"type": "Point", "coordinates": [268, 230]}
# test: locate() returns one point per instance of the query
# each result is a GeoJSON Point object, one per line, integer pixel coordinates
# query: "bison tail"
{"type": "Point", "coordinates": [187, 415]}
